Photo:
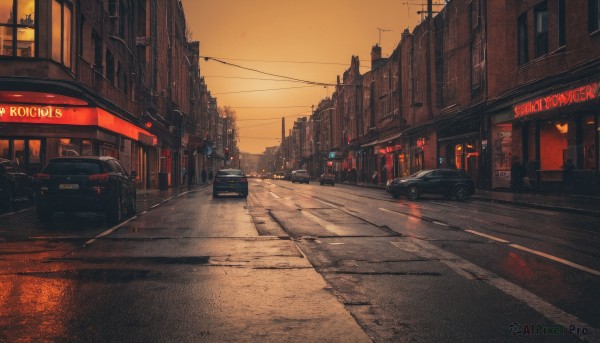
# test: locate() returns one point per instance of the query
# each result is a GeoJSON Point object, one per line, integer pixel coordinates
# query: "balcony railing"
{"type": "Point", "coordinates": [88, 75]}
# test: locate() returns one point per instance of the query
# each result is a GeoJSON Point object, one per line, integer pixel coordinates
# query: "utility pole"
{"type": "Point", "coordinates": [380, 31]}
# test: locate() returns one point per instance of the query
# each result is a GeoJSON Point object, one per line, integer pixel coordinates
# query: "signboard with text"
{"type": "Point", "coordinates": [552, 101]}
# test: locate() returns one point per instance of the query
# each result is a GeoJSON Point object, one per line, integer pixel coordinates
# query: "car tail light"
{"type": "Point", "coordinates": [217, 180]}
{"type": "Point", "coordinates": [41, 176]}
{"type": "Point", "coordinates": [100, 178]}
{"type": "Point", "coordinates": [244, 180]}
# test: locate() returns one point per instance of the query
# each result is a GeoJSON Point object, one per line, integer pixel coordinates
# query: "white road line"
{"type": "Point", "coordinates": [274, 195]}
{"type": "Point", "coordinates": [557, 259]}
{"type": "Point", "coordinates": [472, 271]}
{"type": "Point", "coordinates": [155, 205]}
{"type": "Point", "coordinates": [520, 247]}
{"type": "Point", "coordinates": [109, 231]}
{"type": "Point", "coordinates": [487, 236]}
{"type": "Point", "coordinates": [394, 212]}
{"type": "Point", "coordinates": [326, 203]}
{"type": "Point", "coordinates": [440, 223]}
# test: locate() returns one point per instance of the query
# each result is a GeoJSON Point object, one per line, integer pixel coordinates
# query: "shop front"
{"type": "Point", "coordinates": [538, 138]}
{"type": "Point", "coordinates": [35, 127]}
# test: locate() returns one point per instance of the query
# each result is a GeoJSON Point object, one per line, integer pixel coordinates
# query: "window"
{"type": "Point", "coordinates": [562, 30]}
{"type": "Point", "coordinates": [110, 67]}
{"type": "Point", "coordinates": [594, 15]}
{"type": "Point", "coordinates": [17, 28]}
{"type": "Point", "coordinates": [61, 32]}
{"type": "Point", "coordinates": [541, 30]}
{"type": "Point", "coordinates": [522, 39]}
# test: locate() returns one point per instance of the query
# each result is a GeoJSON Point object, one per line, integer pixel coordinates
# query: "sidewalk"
{"type": "Point", "coordinates": [580, 204]}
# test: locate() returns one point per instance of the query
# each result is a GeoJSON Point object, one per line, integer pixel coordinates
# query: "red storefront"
{"type": "Point", "coordinates": [36, 126]}
{"type": "Point", "coordinates": [542, 132]}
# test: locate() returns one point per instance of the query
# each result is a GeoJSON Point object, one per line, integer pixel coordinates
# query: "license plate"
{"type": "Point", "coordinates": [68, 186]}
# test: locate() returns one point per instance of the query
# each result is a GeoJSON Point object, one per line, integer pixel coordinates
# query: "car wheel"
{"type": "Point", "coordinates": [461, 193]}
{"type": "Point", "coordinates": [412, 193]}
{"type": "Point", "coordinates": [245, 195]}
{"type": "Point", "coordinates": [215, 194]}
{"type": "Point", "coordinates": [307, 182]}
{"type": "Point", "coordinates": [43, 213]}
{"type": "Point", "coordinates": [116, 211]}
{"type": "Point", "coordinates": [332, 184]}
{"type": "Point", "coordinates": [321, 183]}
{"type": "Point", "coordinates": [132, 208]}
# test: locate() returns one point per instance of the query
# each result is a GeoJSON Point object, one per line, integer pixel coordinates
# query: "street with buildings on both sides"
{"type": "Point", "coordinates": [506, 91]}
{"type": "Point", "coordinates": [305, 262]}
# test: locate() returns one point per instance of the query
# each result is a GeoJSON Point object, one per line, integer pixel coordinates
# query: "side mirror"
{"type": "Point", "coordinates": [134, 174]}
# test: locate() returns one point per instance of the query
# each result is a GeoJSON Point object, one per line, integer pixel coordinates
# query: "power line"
{"type": "Point", "coordinates": [280, 61]}
{"type": "Point", "coordinates": [316, 83]}
{"type": "Point", "coordinates": [264, 90]}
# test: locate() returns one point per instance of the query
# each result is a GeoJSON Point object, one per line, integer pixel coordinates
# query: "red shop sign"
{"type": "Point", "coordinates": [568, 97]}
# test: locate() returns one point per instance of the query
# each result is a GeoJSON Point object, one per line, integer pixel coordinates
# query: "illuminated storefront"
{"type": "Point", "coordinates": [35, 127]}
{"type": "Point", "coordinates": [543, 132]}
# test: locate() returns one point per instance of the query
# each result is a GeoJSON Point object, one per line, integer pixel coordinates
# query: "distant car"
{"type": "Point", "coordinates": [85, 184]}
{"type": "Point", "coordinates": [300, 175]}
{"type": "Point", "coordinates": [287, 175]}
{"type": "Point", "coordinates": [14, 183]}
{"type": "Point", "coordinates": [447, 182]}
{"type": "Point", "coordinates": [327, 178]}
{"type": "Point", "coordinates": [230, 180]}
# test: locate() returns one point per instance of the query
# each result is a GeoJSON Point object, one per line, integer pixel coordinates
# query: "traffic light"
{"type": "Point", "coordinates": [226, 154]}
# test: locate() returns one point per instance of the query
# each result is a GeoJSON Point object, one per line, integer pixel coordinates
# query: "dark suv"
{"type": "Point", "coordinates": [447, 182]}
{"type": "Point", "coordinates": [85, 184]}
{"type": "Point", "coordinates": [14, 183]}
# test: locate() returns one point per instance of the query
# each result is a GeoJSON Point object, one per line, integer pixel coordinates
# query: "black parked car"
{"type": "Point", "coordinates": [85, 184]}
{"type": "Point", "coordinates": [14, 183]}
{"type": "Point", "coordinates": [447, 182]}
{"type": "Point", "coordinates": [230, 180]}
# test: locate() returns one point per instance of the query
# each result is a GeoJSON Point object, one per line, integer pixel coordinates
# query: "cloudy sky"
{"type": "Point", "coordinates": [310, 40]}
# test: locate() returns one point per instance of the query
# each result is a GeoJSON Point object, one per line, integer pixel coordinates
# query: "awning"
{"type": "Point", "coordinates": [383, 140]}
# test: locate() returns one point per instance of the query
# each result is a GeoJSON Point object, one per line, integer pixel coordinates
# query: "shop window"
{"type": "Point", "coordinates": [4, 149]}
{"type": "Point", "coordinates": [588, 141]}
{"type": "Point", "coordinates": [19, 151]}
{"type": "Point", "coordinates": [86, 147]}
{"type": "Point", "coordinates": [594, 15]}
{"type": "Point", "coordinates": [69, 147]}
{"type": "Point", "coordinates": [541, 30]}
{"type": "Point", "coordinates": [34, 159]}
{"type": "Point", "coordinates": [17, 28]}
{"type": "Point", "coordinates": [522, 39]}
{"type": "Point", "coordinates": [554, 144]}
{"type": "Point", "coordinates": [61, 32]}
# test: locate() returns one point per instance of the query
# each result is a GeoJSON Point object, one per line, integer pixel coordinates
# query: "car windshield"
{"type": "Point", "coordinates": [301, 171]}
{"type": "Point", "coordinates": [421, 173]}
{"type": "Point", "coordinates": [230, 173]}
{"type": "Point", "coordinates": [72, 168]}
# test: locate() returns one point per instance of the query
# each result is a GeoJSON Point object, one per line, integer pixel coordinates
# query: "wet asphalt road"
{"type": "Point", "coordinates": [301, 263]}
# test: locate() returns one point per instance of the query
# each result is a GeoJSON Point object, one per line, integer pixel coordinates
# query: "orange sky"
{"type": "Point", "coordinates": [268, 35]}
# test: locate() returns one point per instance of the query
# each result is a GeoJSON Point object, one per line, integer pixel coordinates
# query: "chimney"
{"type": "Point", "coordinates": [282, 129]}
{"type": "Point", "coordinates": [375, 56]}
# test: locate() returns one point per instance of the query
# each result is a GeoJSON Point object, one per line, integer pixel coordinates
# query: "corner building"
{"type": "Point", "coordinates": [67, 84]}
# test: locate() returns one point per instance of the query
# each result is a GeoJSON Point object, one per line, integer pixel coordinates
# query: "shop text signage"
{"type": "Point", "coordinates": [79, 116]}
{"type": "Point", "coordinates": [568, 97]}
{"type": "Point", "coordinates": [31, 112]}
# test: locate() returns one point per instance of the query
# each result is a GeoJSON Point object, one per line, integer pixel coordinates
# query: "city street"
{"type": "Point", "coordinates": [297, 263]}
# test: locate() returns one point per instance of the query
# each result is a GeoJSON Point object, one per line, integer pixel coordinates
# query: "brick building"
{"type": "Point", "coordinates": [112, 77]}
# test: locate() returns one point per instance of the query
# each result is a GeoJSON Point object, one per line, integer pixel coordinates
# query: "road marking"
{"type": "Point", "coordinates": [520, 247]}
{"type": "Point", "coordinates": [109, 231]}
{"type": "Point", "coordinates": [390, 211]}
{"type": "Point", "coordinates": [274, 195]}
{"type": "Point", "coordinates": [472, 271]}
{"type": "Point", "coordinates": [487, 236]}
{"type": "Point", "coordinates": [440, 223]}
{"type": "Point", "coordinates": [326, 203]}
{"type": "Point", "coordinates": [557, 259]}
